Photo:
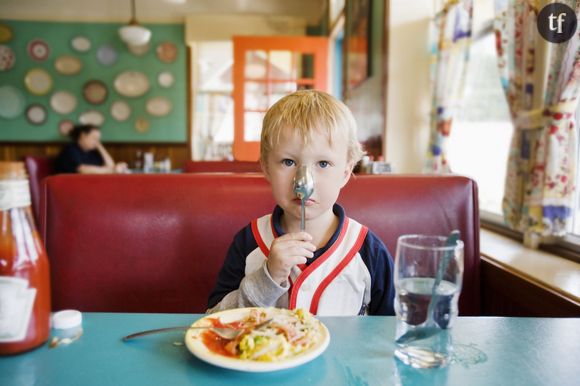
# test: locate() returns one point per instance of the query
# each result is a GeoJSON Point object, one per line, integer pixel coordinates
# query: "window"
{"type": "Point", "coordinates": [213, 118]}
{"type": "Point", "coordinates": [482, 131]}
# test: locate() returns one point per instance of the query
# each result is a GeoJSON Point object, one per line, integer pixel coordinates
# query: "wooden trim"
{"type": "Point", "coordinates": [385, 72]}
{"type": "Point", "coordinates": [189, 101]}
{"type": "Point", "coordinates": [506, 292]}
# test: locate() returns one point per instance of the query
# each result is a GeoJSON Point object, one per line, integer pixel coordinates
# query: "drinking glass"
{"type": "Point", "coordinates": [422, 335]}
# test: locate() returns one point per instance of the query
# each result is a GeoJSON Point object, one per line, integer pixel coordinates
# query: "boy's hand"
{"type": "Point", "coordinates": [286, 252]}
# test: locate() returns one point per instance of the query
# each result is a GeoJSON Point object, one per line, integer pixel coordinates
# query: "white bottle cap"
{"type": "Point", "coordinates": [67, 319]}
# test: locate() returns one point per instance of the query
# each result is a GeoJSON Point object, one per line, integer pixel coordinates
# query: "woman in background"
{"type": "Point", "coordinates": [86, 154]}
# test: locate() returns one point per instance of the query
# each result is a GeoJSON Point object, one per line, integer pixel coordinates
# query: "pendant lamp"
{"type": "Point", "coordinates": [134, 34]}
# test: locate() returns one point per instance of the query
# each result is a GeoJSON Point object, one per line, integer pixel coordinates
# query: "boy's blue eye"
{"type": "Point", "coordinates": [324, 164]}
{"type": "Point", "coordinates": [287, 162]}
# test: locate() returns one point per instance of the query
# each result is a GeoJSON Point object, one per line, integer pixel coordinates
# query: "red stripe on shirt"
{"type": "Point", "coordinates": [336, 271]}
{"type": "Point", "coordinates": [317, 263]}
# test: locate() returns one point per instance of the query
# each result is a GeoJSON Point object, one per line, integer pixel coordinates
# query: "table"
{"type": "Point", "coordinates": [520, 351]}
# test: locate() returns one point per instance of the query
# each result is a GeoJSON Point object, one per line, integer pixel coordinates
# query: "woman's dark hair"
{"type": "Point", "coordinates": [76, 132]}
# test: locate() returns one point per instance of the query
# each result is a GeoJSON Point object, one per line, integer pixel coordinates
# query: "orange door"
{"type": "Point", "coordinates": [265, 69]}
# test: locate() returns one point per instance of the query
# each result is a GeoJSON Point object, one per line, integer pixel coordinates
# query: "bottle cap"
{"type": "Point", "coordinates": [65, 319]}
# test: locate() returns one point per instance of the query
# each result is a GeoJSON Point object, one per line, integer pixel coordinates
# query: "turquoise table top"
{"type": "Point", "coordinates": [490, 351]}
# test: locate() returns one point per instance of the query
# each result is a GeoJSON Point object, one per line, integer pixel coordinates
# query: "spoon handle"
{"type": "Point", "coordinates": [302, 227]}
{"type": "Point", "coordinates": [149, 332]}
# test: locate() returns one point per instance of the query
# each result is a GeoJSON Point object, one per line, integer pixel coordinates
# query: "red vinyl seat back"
{"type": "Point", "coordinates": [222, 167]}
{"type": "Point", "coordinates": [155, 243]}
{"type": "Point", "coordinates": [37, 168]}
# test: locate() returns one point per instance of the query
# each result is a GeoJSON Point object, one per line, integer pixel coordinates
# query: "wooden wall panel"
{"type": "Point", "coordinates": [177, 153]}
{"type": "Point", "coordinates": [506, 293]}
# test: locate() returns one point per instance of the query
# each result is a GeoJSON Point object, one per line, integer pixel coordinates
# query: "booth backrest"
{"type": "Point", "coordinates": [155, 243]}
{"type": "Point", "coordinates": [222, 167]}
{"type": "Point", "coordinates": [37, 168]}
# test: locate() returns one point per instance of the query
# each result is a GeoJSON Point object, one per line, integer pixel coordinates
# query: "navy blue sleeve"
{"type": "Point", "coordinates": [381, 267]}
{"type": "Point", "coordinates": [68, 160]}
{"type": "Point", "coordinates": [233, 270]}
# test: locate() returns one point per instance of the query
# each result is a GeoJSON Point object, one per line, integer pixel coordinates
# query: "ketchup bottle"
{"type": "Point", "coordinates": [24, 273]}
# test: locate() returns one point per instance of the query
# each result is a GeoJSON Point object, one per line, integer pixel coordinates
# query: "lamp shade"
{"type": "Point", "coordinates": [134, 35]}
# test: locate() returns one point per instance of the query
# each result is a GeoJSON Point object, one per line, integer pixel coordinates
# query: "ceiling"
{"type": "Point", "coordinates": [151, 11]}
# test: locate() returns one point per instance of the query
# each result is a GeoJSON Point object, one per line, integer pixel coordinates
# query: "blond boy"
{"type": "Point", "coordinates": [336, 266]}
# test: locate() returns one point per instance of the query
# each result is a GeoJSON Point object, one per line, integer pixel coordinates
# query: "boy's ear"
{"type": "Point", "coordinates": [347, 173]}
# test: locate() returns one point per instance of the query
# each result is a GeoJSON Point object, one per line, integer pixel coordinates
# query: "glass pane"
{"type": "Point", "coordinates": [214, 66]}
{"type": "Point", "coordinates": [281, 65]}
{"type": "Point", "coordinates": [305, 65]}
{"type": "Point", "coordinates": [482, 127]}
{"type": "Point", "coordinates": [253, 126]}
{"type": "Point", "coordinates": [256, 64]}
{"type": "Point", "coordinates": [255, 96]}
{"type": "Point", "coordinates": [279, 90]}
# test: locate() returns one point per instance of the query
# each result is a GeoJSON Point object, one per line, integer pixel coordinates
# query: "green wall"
{"type": "Point", "coordinates": [169, 128]}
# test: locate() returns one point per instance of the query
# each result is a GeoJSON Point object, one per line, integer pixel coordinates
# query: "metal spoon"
{"type": "Point", "coordinates": [224, 332]}
{"type": "Point", "coordinates": [430, 328]}
{"type": "Point", "coordinates": [303, 188]}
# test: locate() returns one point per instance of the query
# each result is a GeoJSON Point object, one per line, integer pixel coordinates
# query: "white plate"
{"type": "Point", "coordinates": [195, 344]}
{"type": "Point", "coordinates": [120, 110]}
{"type": "Point", "coordinates": [81, 43]}
{"type": "Point", "coordinates": [7, 58]}
{"type": "Point", "coordinates": [36, 114]}
{"type": "Point", "coordinates": [131, 84]}
{"type": "Point", "coordinates": [63, 102]}
{"type": "Point", "coordinates": [107, 55]}
{"type": "Point", "coordinates": [68, 65]}
{"type": "Point", "coordinates": [139, 50]}
{"type": "Point", "coordinates": [38, 81]}
{"type": "Point", "coordinates": [165, 79]}
{"type": "Point", "coordinates": [92, 117]}
{"type": "Point", "coordinates": [159, 106]}
{"type": "Point", "coordinates": [12, 102]}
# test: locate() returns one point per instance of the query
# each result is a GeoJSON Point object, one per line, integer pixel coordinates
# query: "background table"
{"type": "Point", "coordinates": [520, 351]}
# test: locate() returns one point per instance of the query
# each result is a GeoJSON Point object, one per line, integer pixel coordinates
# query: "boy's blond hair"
{"type": "Point", "coordinates": [307, 111]}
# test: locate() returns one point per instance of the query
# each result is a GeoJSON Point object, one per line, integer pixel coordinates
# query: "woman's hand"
{"type": "Point", "coordinates": [286, 252]}
{"type": "Point", "coordinates": [121, 167]}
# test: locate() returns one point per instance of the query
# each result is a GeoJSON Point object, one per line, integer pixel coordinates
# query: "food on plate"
{"type": "Point", "coordinates": [268, 334]}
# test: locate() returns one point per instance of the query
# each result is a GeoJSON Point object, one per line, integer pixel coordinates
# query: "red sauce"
{"type": "Point", "coordinates": [215, 343]}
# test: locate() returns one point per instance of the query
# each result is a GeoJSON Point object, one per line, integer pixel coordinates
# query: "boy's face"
{"type": "Point", "coordinates": [328, 164]}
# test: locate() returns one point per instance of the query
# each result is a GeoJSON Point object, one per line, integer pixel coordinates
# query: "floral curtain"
{"type": "Point", "coordinates": [451, 34]}
{"type": "Point", "coordinates": [541, 82]}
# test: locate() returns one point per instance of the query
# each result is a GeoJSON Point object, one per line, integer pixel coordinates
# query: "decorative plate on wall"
{"type": "Point", "coordinates": [92, 117]}
{"type": "Point", "coordinates": [120, 111]}
{"type": "Point", "coordinates": [165, 79]}
{"type": "Point", "coordinates": [65, 126]}
{"type": "Point", "coordinates": [95, 92]}
{"type": "Point", "coordinates": [68, 65]}
{"type": "Point", "coordinates": [36, 114]}
{"type": "Point", "coordinates": [5, 33]}
{"type": "Point", "coordinates": [139, 50]}
{"type": "Point", "coordinates": [131, 84]}
{"type": "Point", "coordinates": [63, 102]}
{"type": "Point", "coordinates": [159, 106]}
{"type": "Point", "coordinates": [38, 50]}
{"type": "Point", "coordinates": [38, 81]}
{"type": "Point", "coordinates": [80, 43]}
{"type": "Point", "coordinates": [142, 125]}
{"type": "Point", "coordinates": [167, 52]}
{"type": "Point", "coordinates": [11, 102]}
{"type": "Point", "coordinates": [107, 55]}
{"type": "Point", "coordinates": [7, 58]}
